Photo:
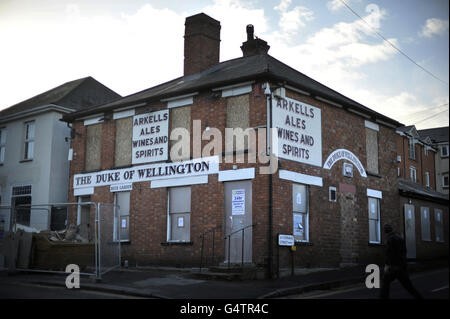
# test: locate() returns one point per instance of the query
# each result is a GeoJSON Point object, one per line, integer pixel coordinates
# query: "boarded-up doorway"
{"type": "Point", "coordinates": [410, 231]}
{"type": "Point", "coordinates": [238, 215]}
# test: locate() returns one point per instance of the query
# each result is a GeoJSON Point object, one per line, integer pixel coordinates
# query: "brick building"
{"type": "Point", "coordinates": [332, 188]}
{"type": "Point", "coordinates": [422, 205]}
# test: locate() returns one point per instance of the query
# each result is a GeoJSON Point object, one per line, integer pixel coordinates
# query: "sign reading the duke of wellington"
{"type": "Point", "coordinates": [149, 172]}
{"type": "Point", "coordinates": [150, 137]}
{"type": "Point", "coordinates": [299, 131]}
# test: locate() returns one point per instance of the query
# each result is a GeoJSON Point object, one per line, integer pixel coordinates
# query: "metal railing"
{"type": "Point", "coordinates": [243, 242]}
{"type": "Point", "coordinates": [106, 252]}
{"type": "Point", "coordinates": [202, 236]}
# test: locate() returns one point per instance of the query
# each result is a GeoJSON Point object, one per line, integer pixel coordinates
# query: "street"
{"type": "Point", "coordinates": [33, 291]}
{"type": "Point", "coordinates": [432, 285]}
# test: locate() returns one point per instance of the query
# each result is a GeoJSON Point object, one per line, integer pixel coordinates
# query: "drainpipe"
{"type": "Point", "coordinates": [268, 95]}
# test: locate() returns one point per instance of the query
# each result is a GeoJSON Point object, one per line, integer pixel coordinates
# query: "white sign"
{"type": "Point", "coordinates": [149, 172]}
{"type": "Point", "coordinates": [124, 223]}
{"type": "Point", "coordinates": [298, 225]}
{"type": "Point", "coordinates": [238, 201]}
{"type": "Point", "coordinates": [299, 131]}
{"type": "Point", "coordinates": [121, 188]}
{"type": "Point", "coordinates": [299, 198]}
{"type": "Point", "coordinates": [285, 240]}
{"type": "Point", "coordinates": [341, 154]}
{"type": "Point", "coordinates": [150, 137]}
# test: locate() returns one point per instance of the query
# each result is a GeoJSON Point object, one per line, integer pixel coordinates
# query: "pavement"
{"type": "Point", "coordinates": [186, 283]}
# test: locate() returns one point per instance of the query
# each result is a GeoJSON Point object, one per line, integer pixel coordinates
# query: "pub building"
{"type": "Point", "coordinates": [330, 184]}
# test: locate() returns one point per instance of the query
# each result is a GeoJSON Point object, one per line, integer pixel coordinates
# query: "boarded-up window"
{"type": "Point", "coordinates": [425, 223]}
{"type": "Point", "coordinates": [238, 117]}
{"type": "Point", "coordinates": [122, 219]}
{"type": "Point", "coordinates": [93, 146]}
{"type": "Point", "coordinates": [438, 220]}
{"type": "Point", "coordinates": [372, 150]}
{"type": "Point", "coordinates": [300, 212]}
{"type": "Point", "coordinates": [180, 117]}
{"type": "Point", "coordinates": [179, 214]}
{"type": "Point", "coordinates": [374, 220]}
{"type": "Point", "coordinates": [122, 150]}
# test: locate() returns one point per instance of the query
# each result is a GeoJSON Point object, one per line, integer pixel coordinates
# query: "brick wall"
{"type": "Point", "coordinates": [339, 231]}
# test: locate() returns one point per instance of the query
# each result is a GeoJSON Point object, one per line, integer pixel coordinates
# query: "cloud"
{"type": "Point", "coordinates": [292, 20]}
{"type": "Point", "coordinates": [433, 26]}
{"type": "Point", "coordinates": [336, 5]}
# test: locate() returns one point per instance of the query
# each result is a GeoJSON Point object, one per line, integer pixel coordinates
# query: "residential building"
{"type": "Point", "coordinates": [34, 149]}
{"type": "Point", "coordinates": [422, 206]}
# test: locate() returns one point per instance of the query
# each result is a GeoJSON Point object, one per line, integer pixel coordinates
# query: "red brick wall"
{"type": "Point", "coordinates": [328, 235]}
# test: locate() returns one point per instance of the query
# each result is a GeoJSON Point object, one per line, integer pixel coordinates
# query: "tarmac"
{"type": "Point", "coordinates": [189, 283]}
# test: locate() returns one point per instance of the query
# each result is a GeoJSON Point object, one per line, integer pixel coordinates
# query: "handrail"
{"type": "Point", "coordinates": [240, 230]}
{"type": "Point", "coordinates": [202, 236]}
{"type": "Point", "coordinates": [242, 246]}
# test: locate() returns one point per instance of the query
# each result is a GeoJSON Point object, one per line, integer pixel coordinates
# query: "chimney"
{"type": "Point", "coordinates": [253, 46]}
{"type": "Point", "coordinates": [201, 43]}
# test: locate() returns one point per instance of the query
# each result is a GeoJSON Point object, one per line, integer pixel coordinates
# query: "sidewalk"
{"type": "Point", "coordinates": [181, 283]}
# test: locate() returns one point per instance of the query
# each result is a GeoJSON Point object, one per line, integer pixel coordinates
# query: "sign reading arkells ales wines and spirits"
{"type": "Point", "coordinates": [150, 137]}
{"type": "Point", "coordinates": [299, 131]}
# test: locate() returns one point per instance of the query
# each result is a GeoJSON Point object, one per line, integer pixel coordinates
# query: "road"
{"type": "Point", "coordinates": [33, 291]}
{"type": "Point", "coordinates": [432, 285]}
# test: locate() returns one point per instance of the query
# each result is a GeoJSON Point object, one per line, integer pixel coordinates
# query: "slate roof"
{"type": "Point", "coordinates": [242, 69]}
{"type": "Point", "coordinates": [76, 95]}
{"type": "Point", "coordinates": [409, 187]}
{"type": "Point", "coordinates": [437, 135]}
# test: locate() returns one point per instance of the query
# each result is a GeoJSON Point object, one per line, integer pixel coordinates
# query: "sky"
{"type": "Point", "coordinates": [132, 45]}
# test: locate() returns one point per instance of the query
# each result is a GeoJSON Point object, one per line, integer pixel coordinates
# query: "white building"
{"type": "Point", "coordinates": [34, 149]}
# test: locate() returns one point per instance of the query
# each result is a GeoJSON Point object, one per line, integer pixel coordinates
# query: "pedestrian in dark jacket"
{"type": "Point", "coordinates": [396, 265]}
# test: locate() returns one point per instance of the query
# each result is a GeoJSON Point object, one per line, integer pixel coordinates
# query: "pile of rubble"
{"type": "Point", "coordinates": [70, 234]}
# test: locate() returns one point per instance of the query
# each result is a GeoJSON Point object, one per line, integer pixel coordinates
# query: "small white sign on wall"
{"type": "Point", "coordinates": [238, 201]}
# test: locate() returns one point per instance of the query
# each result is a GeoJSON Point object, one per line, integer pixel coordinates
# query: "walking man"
{"type": "Point", "coordinates": [396, 265]}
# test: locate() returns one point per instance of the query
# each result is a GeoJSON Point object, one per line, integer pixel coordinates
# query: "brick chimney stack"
{"type": "Point", "coordinates": [201, 43]}
{"type": "Point", "coordinates": [254, 46]}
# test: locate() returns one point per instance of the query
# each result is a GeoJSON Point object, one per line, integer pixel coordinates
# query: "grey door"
{"type": "Point", "coordinates": [410, 231]}
{"type": "Point", "coordinates": [238, 214]}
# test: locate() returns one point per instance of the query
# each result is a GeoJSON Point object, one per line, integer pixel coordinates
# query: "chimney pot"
{"type": "Point", "coordinates": [250, 32]}
{"type": "Point", "coordinates": [254, 46]}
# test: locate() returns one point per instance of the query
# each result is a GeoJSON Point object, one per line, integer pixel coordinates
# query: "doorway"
{"type": "Point", "coordinates": [238, 221]}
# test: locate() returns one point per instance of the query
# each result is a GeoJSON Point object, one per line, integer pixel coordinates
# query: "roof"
{"type": "Point", "coordinates": [408, 186]}
{"type": "Point", "coordinates": [262, 66]}
{"type": "Point", "coordinates": [76, 95]}
{"type": "Point", "coordinates": [437, 135]}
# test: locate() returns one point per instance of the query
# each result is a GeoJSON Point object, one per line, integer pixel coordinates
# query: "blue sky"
{"type": "Point", "coordinates": [135, 44]}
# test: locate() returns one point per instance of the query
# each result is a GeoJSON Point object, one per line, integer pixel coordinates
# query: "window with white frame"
{"type": "Point", "coordinates": [2, 144]}
{"type": "Point", "coordinates": [411, 148]}
{"type": "Point", "coordinates": [29, 140]}
{"type": "Point", "coordinates": [427, 179]}
{"type": "Point", "coordinates": [445, 180]}
{"type": "Point", "coordinates": [332, 194]}
{"type": "Point", "coordinates": [425, 223]}
{"type": "Point", "coordinates": [439, 225]}
{"type": "Point", "coordinates": [179, 214]}
{"type": "Point", "coordinates": [300, 209]}
{"type": "Point", "coordinates": [20, 201]}
{"type": "Point", "coordinates": [85, 218]}
{"type": "Point", "coordinates": [122, 216]}
{"type": "Point", "coordinates": [444, 150]}
{"type": "Point", "coordinates": [374, 220]}
{"type": "Point", "coordinates": [413, 173]}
